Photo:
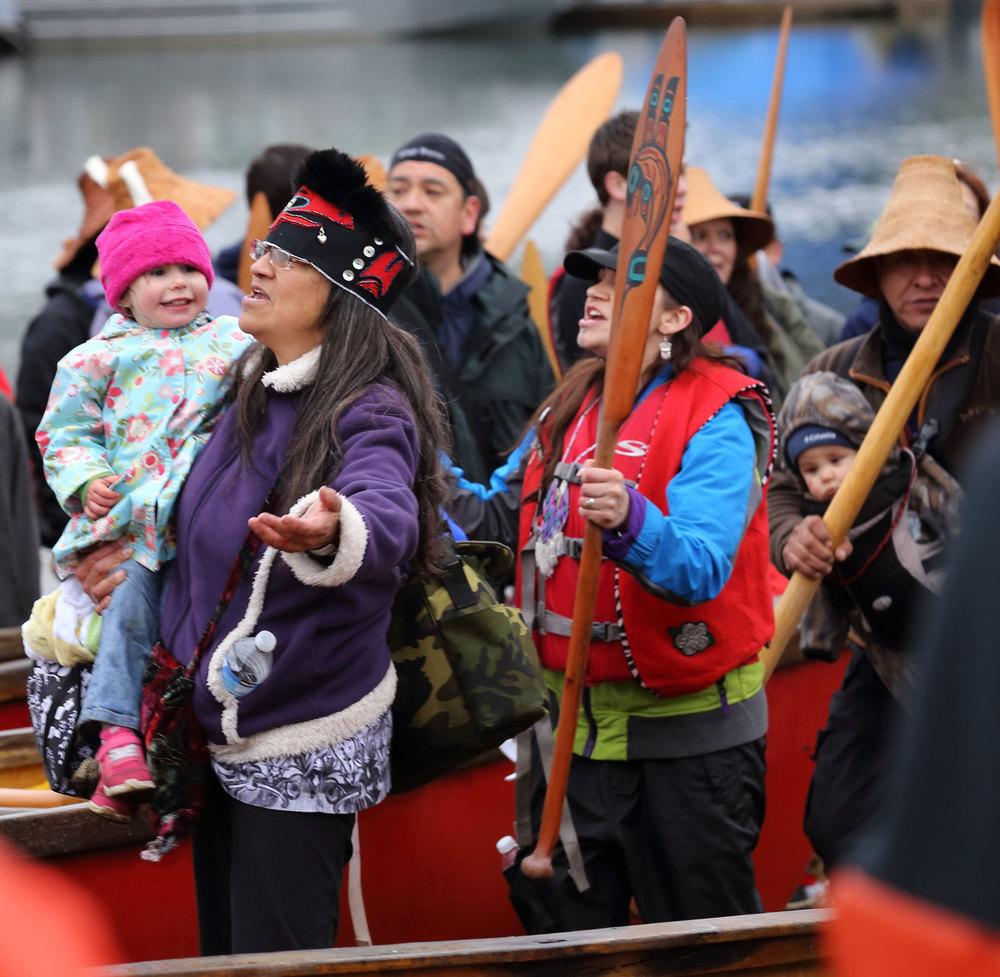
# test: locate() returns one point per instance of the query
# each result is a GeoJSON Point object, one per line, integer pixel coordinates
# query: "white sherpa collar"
{"type": "Point", "coordinates": [295, 375]}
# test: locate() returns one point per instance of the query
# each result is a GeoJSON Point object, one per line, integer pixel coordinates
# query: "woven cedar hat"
{"type": "Point", "coordinates": [754, 230]}
{"type": "Point", "coordinates": [98, 206]}
{"type": "Point", "coordinates": [925, 212]}
{"type": "Point", "coordinates": [201, 202]}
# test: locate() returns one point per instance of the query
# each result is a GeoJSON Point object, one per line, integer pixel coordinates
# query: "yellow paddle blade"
{"type": "Point", "coordinates": [560, 142]}
{"type": "Point", "coordinates": [260, 221]}
{"type": "Point", "coordinates": [533, 275]}
{"type": "Point", "coordinates": [991, 63]}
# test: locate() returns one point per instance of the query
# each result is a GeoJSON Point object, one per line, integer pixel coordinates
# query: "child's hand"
{"type": "Point", "coordinates": [100, 497]}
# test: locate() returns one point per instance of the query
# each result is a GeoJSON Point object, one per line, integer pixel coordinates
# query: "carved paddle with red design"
{"type": "Point", "coordinates": [657, 156]}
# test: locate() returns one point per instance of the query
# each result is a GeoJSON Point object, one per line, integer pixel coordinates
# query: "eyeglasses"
{"type": "Point", "coordinates": [279, 257]}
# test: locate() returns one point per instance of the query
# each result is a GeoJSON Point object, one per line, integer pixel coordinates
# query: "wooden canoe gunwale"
{"type": "Point", "coordinates": [764, 944]}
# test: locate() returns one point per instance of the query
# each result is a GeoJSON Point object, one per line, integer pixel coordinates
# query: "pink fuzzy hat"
{"type": "Point", "coordinates": [136, 240]}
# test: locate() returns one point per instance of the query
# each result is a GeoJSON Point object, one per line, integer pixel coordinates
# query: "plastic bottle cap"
{"type": "Point", "coordinates": [265, 641]}
{"type": "Point", "coordinates": [506, 844]}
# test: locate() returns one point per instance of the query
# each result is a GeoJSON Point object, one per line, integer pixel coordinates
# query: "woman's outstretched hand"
{"type": "Point", "coordinates": [317, 527]}
{"type": "Point", "coordinates": [604, 499]}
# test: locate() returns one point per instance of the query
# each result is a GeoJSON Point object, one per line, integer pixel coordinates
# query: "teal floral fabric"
{"type": "Point", "coordinates": [141, 403]}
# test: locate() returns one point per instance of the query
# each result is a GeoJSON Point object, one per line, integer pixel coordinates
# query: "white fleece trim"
{"type": "Point", "coordinates": [295, 375]}
{"type": "Point", "coordinates": [245, 628]}
{"type": "Point", "coordinates": [350, 549]}
{"type": "Point", "coordinates": [313, 734]}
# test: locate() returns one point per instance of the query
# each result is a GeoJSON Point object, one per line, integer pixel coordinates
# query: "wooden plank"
{"type": "Point", "coordinates": [765, 945]}
{"type": "Point", "coordinates": [10, 644]}
{"type": "Point", "coordinates": [73, 829]}
{"type": "Point", "coordinates": [13, 675]}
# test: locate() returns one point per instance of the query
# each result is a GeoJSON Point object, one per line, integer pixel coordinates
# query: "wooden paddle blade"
{"type": "Point", "coordinates": [759, 199]}
{"type": "Point", "coordinates": [657, 156]}
{"type": "Point", "coordinates": [533, 275]}
{"type": "Point", "coordinates": [991, 64]}
{"type": "Point", "coordinates": [891, 418]}
{"type": "Point", "coordinates": [257, 227]}
{"type": "Point", "coordinates": [560, 142]}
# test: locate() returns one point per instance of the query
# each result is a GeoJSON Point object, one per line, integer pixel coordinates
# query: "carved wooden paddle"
{"type": "Point", "coordinates": [657, 156]}
{"type": "Point", "coordinates": [560, 142]}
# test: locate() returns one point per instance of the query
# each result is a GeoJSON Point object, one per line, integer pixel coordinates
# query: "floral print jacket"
{"type": "Point", "coordinates": [139, 403]}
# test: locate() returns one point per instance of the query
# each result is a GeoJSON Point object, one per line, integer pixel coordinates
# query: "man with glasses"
{"type": "Point", "coordinates": [467, 308]}
{"type": "Point", "coordinates": [923, 231]}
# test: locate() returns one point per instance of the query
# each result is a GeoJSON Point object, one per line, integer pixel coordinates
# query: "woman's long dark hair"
{"type": "Point", "coordinates": [359, 347]}
{"type": "Point", "coordinates": [586, 378]}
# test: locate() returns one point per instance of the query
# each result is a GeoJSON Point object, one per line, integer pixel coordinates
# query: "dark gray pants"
{"type": "Point", "coordinates": [677, 835]}
{"type": "Point", "coordinates": [267, 879]}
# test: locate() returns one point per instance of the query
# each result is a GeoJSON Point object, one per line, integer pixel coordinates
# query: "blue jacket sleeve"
{"type": "Point", "coordinates": [686, 557]}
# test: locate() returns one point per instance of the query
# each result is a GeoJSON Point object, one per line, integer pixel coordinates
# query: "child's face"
{"type": "Point", "coordinates": [167, 297]}
{"type": "Point", "coordinates": [823, 468]}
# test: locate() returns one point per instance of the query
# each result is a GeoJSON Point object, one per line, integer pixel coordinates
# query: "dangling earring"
{"type": "Point", "coordinates": [666, 348]}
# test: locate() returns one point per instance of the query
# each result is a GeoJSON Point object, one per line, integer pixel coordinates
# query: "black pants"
{"type": "Point", "coordinates": [267, 879]}
{"type": "Point", "coordinates": [848, 782]}
{"type": "Point", "coordinates": [677, 835]}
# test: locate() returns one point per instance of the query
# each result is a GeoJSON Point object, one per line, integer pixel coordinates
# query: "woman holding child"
{"type": "Point", "coordinates": [336, 428]}
{"type": "Point", "coordinates": [666, 787]}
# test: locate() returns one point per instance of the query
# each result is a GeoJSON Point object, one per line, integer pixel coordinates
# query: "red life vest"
{"type": "Point", "coordinates": [671, 648]}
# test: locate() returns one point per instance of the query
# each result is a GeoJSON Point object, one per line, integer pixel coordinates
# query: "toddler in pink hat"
{"type": "Point", "coordinates": [128, 412]}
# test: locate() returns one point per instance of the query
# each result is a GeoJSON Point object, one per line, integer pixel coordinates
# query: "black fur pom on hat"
{"type": "Point", "coordinates": [346, 230]}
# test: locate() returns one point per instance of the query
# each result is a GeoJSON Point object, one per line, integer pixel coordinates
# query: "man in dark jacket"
{"type": "Point", "coordinates": [916, 244]}
{"type": "Point", "coordinates": [467, 308]}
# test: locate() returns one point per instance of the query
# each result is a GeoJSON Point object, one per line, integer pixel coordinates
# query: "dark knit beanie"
{"type": "Point", "coordinates": [434, 147]}
{"type": "Point", "coordinates": [812, 436]}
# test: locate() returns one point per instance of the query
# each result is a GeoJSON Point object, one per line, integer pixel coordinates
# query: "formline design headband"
{"type": "Point", "coordinates": [344, 228]}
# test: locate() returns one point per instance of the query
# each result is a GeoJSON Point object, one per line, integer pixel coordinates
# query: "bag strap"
{"type": "Point", "coordinates": [244, 560]}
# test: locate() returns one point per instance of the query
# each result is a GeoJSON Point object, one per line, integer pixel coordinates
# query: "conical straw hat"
{"type": "Point", "coordinates": [98, 206]}
{"type": "Point", "coordinates": [753, 229]}
{"type": "Point", "coordinates": [202, 203]}
{"type": "Point", "coordinates": [925, 212]}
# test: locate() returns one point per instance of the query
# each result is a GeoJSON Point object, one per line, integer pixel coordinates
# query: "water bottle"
{"type": "Point", "coordinates": [507, 846]}
{"type": "Point", "coordinates": [247, 663]}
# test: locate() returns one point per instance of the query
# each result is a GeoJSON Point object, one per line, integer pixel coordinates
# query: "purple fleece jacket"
{"type": "Point", "coordinates": [331, 646]}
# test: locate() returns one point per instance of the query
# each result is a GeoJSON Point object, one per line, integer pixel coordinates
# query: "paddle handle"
{"type": "Point", "coordinates": [758, 201]}
{"type": "Point", "coordinates": [990, 23]}
{"type": "Point", "coordinates": [538, 865]}
{"type": "Point", "coordinates": [891, 419]}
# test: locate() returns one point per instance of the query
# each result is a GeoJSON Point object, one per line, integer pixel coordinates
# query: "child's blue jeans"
{"type": "Point", "coordinates": [129, 628]}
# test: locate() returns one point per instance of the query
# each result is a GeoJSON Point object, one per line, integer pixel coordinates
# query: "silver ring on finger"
{"type": "Point", "coordinates": [590, 502]}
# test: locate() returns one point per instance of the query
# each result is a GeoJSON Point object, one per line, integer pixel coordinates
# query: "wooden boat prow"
{"type": "Point", "coordinates": [764, 945]}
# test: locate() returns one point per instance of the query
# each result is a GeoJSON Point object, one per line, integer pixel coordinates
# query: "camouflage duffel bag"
{"type": "Point", "coordinates": [469, 676]}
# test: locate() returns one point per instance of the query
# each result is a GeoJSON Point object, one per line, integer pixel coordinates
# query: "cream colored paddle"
{"type": "Point", "coordinates": [533, 275]}
{"type": "Point", "coordinates": [560, 142]}
{"type": "Point", "coordinates": [890, 420]}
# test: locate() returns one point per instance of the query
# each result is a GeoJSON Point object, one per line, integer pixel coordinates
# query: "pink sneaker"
{"type": "Point", "coordinates": [122, 762]}
{"type": "Point", "coordinates": [118, 809]}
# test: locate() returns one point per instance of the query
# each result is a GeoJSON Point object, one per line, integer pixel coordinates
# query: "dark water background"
{"type": "Point", "coordinates": [859, 97]}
